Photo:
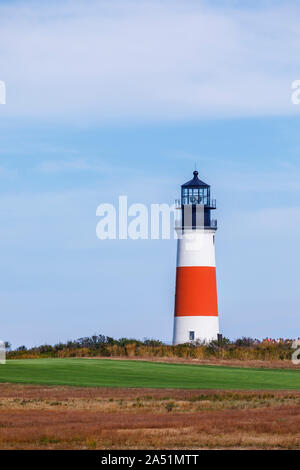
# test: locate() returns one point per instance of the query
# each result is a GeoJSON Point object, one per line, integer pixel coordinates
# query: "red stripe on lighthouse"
{"type": "Point", "coordinates": [196, 291]}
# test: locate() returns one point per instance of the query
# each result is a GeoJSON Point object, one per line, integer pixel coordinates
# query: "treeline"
{"type": "Point", "coordinates": [105, 346]}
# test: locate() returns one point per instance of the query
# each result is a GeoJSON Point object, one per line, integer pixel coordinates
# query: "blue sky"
{"type": "Point", "coordinates": [123, 98]}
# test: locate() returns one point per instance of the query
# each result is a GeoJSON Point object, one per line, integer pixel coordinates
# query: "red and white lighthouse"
{"type": "Point", "coordinates": [196, 306]}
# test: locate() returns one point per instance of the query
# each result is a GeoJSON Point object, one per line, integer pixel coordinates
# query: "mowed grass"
{"type": "Point", "coordinates": [143, 374]}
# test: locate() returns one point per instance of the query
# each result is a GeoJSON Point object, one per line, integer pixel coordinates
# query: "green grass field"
{"type": "Point", "coordinates": [122, 373]}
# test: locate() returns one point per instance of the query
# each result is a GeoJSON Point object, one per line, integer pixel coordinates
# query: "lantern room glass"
{"type": "Point", "coordinates": [200, 195]}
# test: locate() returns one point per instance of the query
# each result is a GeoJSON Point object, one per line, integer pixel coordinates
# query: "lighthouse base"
{"type": "Point", "coordinates": [195, 328]}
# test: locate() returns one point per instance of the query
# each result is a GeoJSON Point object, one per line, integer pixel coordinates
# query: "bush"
{"type": "Point", "coordinates": [104, 346]}
{"type": "Point", "coordinates": [169, 406]}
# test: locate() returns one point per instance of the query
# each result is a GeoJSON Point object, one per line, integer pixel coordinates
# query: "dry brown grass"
{"type": "Point", "coordinates": [39, 417]}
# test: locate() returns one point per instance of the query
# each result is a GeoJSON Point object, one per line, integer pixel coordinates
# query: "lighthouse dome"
{"type": "Point", "coordinates": [195, 182]}
{"type": "Point", "coordinates": [196, 191]}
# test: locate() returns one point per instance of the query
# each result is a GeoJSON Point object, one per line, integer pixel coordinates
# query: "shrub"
{"type": "Point", "coordinates": [169, 406]}
{"type": "Point", "coordinates": [99, 345]}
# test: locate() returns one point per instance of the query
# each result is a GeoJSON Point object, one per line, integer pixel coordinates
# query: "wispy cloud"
{"type": "Point", "coordinates": [63, 165]}
{"type": "Point", "coordinates": [274, 181]}
{"type": "Point", "coordinates": [148, 60]}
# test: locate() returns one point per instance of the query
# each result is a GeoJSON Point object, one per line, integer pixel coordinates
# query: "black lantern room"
{"type": "Point", "coordinates": [196, 193]}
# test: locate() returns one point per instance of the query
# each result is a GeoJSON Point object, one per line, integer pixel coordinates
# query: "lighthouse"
{"type": "Point", "coordinates": [196, 306]}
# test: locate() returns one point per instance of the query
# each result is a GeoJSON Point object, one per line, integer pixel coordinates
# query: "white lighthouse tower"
{"type": "Point", "coordinates": [196, 306]}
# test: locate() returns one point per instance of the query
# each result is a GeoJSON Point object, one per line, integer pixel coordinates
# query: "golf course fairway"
{"type": "Point", "coordinates": [143, 374]}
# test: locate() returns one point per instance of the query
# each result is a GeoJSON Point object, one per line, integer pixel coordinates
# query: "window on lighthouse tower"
{"type": "Point", "coordinates": [191, 335]}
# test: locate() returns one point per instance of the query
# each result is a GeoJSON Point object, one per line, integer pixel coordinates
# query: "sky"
{"type": "Point", "coordinates": [110, 98]}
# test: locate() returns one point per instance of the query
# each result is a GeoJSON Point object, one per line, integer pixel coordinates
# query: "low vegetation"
{"type": "Point", "coordinates": [245, 349]}
{"type": "Point", "coordinates": [35, 417]}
